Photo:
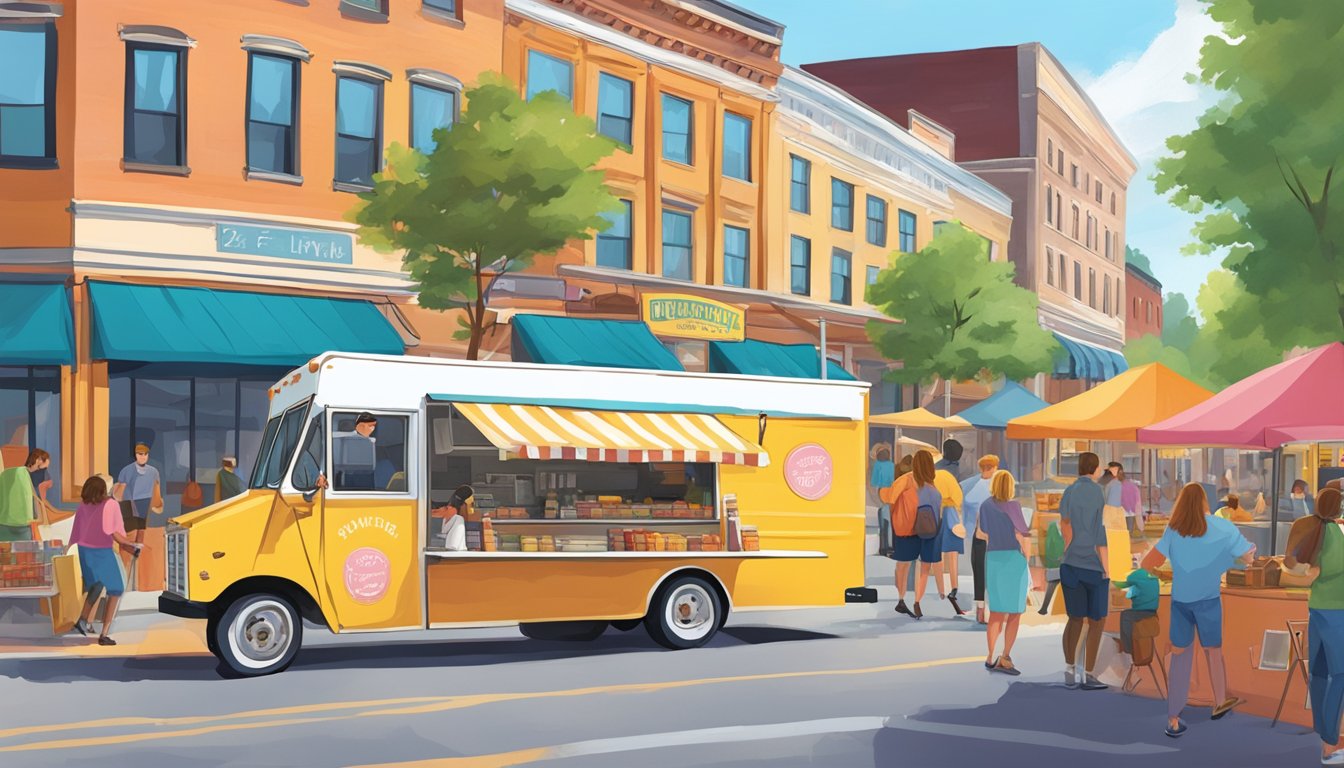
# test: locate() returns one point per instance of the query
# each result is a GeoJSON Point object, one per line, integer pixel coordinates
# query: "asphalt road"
{"type": "Point", "coordinates": [855, 686]}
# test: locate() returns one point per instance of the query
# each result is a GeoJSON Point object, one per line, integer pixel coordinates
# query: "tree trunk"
{"type": "Point", "coordinates": [477, 317]}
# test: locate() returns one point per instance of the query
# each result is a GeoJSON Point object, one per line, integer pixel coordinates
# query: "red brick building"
{"type": "Point", "coordinates": [1143, 315]}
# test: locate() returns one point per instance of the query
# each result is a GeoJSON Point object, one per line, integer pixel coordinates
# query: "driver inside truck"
{"type": "Point", "coordinates": [355, 457]}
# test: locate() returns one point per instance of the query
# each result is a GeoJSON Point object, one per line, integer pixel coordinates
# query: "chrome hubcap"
{"type": "Point", "coordinates": [263, 631]}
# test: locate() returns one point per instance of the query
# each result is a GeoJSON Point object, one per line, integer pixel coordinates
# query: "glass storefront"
{"type": "Point", "coordinates": [30, 417]}
{"type": "Point", "coordinates": [190, 423]}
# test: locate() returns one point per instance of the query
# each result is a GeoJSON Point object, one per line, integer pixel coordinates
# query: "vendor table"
{"type": "Point", "coordinates": [1247, 614]}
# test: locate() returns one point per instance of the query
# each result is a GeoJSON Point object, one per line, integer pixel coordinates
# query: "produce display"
{"type": "Point", "coordinates": [27, 564]}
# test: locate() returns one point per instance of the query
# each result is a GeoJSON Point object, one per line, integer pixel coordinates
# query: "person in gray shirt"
{"type": "Point", "coordinates": [1082, 570]}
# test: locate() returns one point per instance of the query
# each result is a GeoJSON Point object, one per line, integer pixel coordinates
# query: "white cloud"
{"type": "Point", "coordinates": [1147, 99]}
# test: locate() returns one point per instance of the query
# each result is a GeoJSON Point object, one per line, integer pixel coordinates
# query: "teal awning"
{"type": "Point", "coordinates": [35, 325]}
{"type": "Point", "coordinates": [995, 411]}
{"type": "Point", "coordinates": [595, 343]}
{"type": "Point", "coordinates": [1087, 361]}
{"type": "Point", "coordinates": [761, 358]}
{"type": "Point", "coordinates": [163, 324]}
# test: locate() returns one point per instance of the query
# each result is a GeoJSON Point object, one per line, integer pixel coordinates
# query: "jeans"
{"type": "Point", "coordinates": [1325, 660]}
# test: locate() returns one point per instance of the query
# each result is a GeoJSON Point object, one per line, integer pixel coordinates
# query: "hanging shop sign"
{"type": "Point", "coordinates": [808, 470]}
{"type": "Point", "coordinates": [285, 243]}
{"type": "Point", "coordinates": [692, 317]}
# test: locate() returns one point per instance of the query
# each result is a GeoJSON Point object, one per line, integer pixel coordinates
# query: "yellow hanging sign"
{"type": "Point", "coordinates": [693, 317]}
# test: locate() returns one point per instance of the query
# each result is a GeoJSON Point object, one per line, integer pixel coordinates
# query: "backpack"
{"type": "Point", "coordinates": [904, 503]}
{"type": "Point", "coordinates": [926, 522]}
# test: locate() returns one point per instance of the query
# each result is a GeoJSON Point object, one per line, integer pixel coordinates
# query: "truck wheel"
{"type": "Point", "coordinates": [258, 635]}
{"type": "Point", "coordinates": [212, 635]}
{"type": "Point", "coordinates": [564, 630]}
{"type": "Point", "coordinates": [625, 625]}
{"type": "Point", "coordinates": [686, 614]}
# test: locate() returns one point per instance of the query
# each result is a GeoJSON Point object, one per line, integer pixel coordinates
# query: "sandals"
{"type": "Point", "coordinates": [1004, 666]}
{"type": "Point", "coordinates": [1227, 706]}
{"type": "Point", "coordinates": [1178, 731]}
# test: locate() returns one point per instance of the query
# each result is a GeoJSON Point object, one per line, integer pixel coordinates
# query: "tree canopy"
{"type": "Point", "coordinates": [962, 317]}
{"type": "Point", "coordinates": [511, 179]}
{"type": "Point", "coordinates": [1262, 166]}
{"type": "Point", "coordinates": [1139, 259]}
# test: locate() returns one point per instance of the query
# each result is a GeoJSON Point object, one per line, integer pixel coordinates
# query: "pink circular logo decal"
{"type": "Point", "coordinates": [807, 470]}
{"type": "Point", "coordinates": [367, 573]}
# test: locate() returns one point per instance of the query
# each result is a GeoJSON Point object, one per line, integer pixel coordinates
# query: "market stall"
{"type": "Point", "coordinates": [1105, 420]}
{"type": "Point", "coordinates": [920, 419]}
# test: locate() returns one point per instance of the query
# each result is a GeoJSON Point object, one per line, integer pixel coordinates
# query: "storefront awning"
{"type": "Point", "coordinates": [1088, 361]}
{"type": "Point", "coordinates": [170, 324]}
{"type": "Point", "coordinates": [760, 358]}
{"type": "Point", "coordinates": [541, 432]}
{"type": "Point", "coordinates": [588, 342]}
{"type": "Point", "coordinates": [35, 325]}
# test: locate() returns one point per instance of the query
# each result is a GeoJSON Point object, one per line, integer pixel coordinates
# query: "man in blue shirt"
{"type": "Point", "coordinates": [1082, 570]}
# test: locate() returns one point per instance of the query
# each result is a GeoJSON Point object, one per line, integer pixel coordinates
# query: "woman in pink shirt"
{"type": "Point", "coordinates": [98, 526]}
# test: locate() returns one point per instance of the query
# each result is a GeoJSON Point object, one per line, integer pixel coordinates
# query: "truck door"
{"type": "Point", "coordinates": [370, 531]}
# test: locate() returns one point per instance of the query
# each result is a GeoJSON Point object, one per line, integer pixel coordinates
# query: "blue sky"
{"type": "Point", "coordinates": [1129, 56]}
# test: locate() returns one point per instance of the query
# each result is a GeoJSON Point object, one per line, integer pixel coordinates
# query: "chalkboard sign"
{"type": "Point", "coordinates": [285, 243]}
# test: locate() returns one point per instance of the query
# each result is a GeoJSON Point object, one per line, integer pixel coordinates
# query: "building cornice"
{"type": "Point", "coordinates": [591, 20]}
{"type": "Point", "coordinates": [1093, 116]}
{"type": "Point", "coordinates": [851, 121]}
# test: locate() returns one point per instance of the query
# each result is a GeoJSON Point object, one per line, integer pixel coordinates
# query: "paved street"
{"type": "Point", "coordinates": [839, 687]}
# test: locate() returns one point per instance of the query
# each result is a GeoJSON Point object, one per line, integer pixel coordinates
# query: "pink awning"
{"type": "Point", "coordinates": [1297, 400]}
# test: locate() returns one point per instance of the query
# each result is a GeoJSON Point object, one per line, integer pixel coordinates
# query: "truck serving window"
{"type": "Point", "coordinates": [278, 446]}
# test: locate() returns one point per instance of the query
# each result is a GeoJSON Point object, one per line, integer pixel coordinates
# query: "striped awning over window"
{"type": "Point", "coordinates": [542, 432]}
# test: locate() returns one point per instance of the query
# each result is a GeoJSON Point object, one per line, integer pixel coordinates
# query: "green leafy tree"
{"type": "Point", "coordinates": [1179, 327]}
{"type": "Point", "coordinates": [962, 317]}
{"type": "Point", "coordinates": [1262, 168]}
{"type": "Point", "coordinates": [512, 179]}
{"type": "Point", "coordinates": [1151, 349]}
{"type": "Point", "coordinates": [1232, 343]}
{"type": "Point", "coordinates": [1138, 258]}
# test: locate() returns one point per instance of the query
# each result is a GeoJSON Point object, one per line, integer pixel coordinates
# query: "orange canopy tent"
{"type": "Point", "coordinates": [920, 418]}
{"type": "Point", "coordinates": [1114, 410]}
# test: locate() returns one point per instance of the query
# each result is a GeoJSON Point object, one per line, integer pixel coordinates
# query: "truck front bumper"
{"type": "Point", "coordinates": [176, 605]}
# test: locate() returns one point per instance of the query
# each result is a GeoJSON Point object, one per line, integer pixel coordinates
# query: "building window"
{"type": "Point", "coordinates": [272, 114]}
{"type": "Point", "coordinates": [359, 131]}
{"type": "Point", "coordinates": [373, 6]}
{"type": "Point", "coordinates": [1049, 204]}
{"type": "Point", "coordinates": [907, 223]}
{"type": "Point", "coordinates": [1059, 212]}
{"type": "Point", "coordinates": [431, 109]}
{"type": "Point", "coordinates": [736, 146]}
{"type": "Point", "coordinates": [1063, 274]}
{"type": "Point", "coordinates": [614, 242]}
{"type": "Point", "coordinates": [1091, 288]}
{"type": "Point", "coordinates": [1087, 181]}
{"type": "Point", "coordinates": [1073, 174]}
{"type": "Point", "coordinates": [873, 272]}
{"type": "Point", "coordinates": [1106, 294]}
{"type": "Point", "coordinates": [1110, 253]}
{"type": "Point", "coordinates": [548, 73]}
{"type": "Point", "coordinates": [877, 221]}
{"type": "Point", "coordinates": [28, 96]}
{"type": "Point", "coordinates": [1049, 150]}
{"type": "Point", "coordinates": [615, 108]}
{"type": "Point", "coordinates": [1091, 232]}
{"type": "Point", "coordinates": [800, 265]}
{"type": "Point", "coordinates": [677, 118]}
{"type": "Point", "coordinates": [677, 245]}
{"type": "Point", "coordinates": [156, 115]}
{"type": "Point", "coordinates": [1060, 155]}
{"type": "Point", "coordinates": [1098, 187]}
{"type": "Point", "coordinates": [1078, 280]}
{"type": "Point", "coordinates": [736, 253]}
{"type": "Point", "coordinates": [800, 184]}
{"type": "Point", "coordinates": [1112, 203]}
{"type": "Point", "coordinates": [842, 205]}
{"type": "Point", "coordinates": [447, 6]}
{"type": "Point", "coordinates": [1076, 219]}
{"type": "Point", "coordinates": [1148, 310]}
{"type": "Point", "coordinates": [840, 283]}
{"type": "Point", "coordinates": [1049, 267]}
{"type": "Point", "coordinates": [30, 416]}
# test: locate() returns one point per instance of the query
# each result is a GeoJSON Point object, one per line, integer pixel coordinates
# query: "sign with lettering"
{"type": "Point", "coordinates": [808, 470]}
{"type": "Point", "coordinates": [285, 243]}
{"type": "Point", "coordinates": [367, 574]}
{"type": "Point", "coordinates": [691, 317]}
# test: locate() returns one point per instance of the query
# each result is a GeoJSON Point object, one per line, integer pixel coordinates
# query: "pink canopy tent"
{"type": "Point", "coordinates": [1295, 401]}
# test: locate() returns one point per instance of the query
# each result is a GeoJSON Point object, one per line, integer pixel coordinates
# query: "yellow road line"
{"type": "Point", "coordinates": [418, 706]}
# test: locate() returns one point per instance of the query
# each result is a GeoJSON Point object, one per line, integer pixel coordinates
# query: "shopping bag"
{"type": "Point", "coordinates": [69, 599]}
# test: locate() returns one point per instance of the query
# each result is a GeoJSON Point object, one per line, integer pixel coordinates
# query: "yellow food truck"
{"type": "Point", "coordinates": [597, 498]}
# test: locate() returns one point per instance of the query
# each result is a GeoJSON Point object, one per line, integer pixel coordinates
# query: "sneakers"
{"type": "Point", "coordinates": [83, 627]}
{"type": "Point", "coordinates": [1334, 758]}
{"type": "Point", "coordinates": [1093, 684]}
{"type": "Point", "coordinates": [1071, 679]}
{"type": "Point", "coordinates": [901, 607]}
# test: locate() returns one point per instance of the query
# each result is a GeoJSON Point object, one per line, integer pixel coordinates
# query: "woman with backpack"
{"type": "Point", "coordinates": [915, 507]}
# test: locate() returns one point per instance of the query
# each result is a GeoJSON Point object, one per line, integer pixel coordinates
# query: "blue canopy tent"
{"type": "Point", "coordinates": [990, 418]}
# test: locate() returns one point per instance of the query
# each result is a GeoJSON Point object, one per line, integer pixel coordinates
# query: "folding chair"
{"type": "Point", "coordinates": [1298, 655]}
{"type": "Point", "coordinates": [1142, 653]}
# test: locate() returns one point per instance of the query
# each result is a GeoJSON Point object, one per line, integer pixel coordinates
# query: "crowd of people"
{"type": "Point", "coordinates": [929, 516]}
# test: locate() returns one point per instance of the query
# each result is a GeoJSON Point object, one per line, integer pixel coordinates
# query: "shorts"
{"type": "Point", "coordinates": [98, 565]}
{"type": "Point", "coordinates": [1206, 616]}
{"type": "Point", "coordinates": [908, 549]}
{"type": "Point", "coordinates": [129, 517]}
{"type": "Point", "coordinates": [947, 540]}
{"type": "Point", "coordinates": [1086, 593]}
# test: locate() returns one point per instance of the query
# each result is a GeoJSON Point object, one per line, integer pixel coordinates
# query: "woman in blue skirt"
{"type": "Point", "coordinates": [1006, 578]}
